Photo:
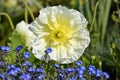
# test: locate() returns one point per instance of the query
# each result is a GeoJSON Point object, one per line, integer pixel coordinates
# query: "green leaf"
{"type": "Point", "coordinates": [14, 41]}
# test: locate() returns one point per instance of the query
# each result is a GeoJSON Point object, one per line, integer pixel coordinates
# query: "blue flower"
{"type": "Point", "coordinates": [18, 69]}
{"type": "Point", "coordinates": [30, 64]}
{"type": "Point", "coordinates": [11, 66]}
{"type": "Point", "coordinates": [106, 75]}
{"type": "Point", "coordinates": [56, 66]}
{"type": "Point", "coordinates": [80, 76]}
{"type": "Point", "coordinates": [48, 50]}
{"type": "Point", "coordinates": [73, 78]}
{"type": "Point", "coordinates": [27, 63]}
{"type": "Point", "coordinates": [12, 72]}
{"type": "Point", "coordinates": [26, 55]}
{"type": "Point", "coordinates": [61, 70]}
{"type": "Point", "coordinates": [61, 76]}
{"type": "Point", "coordinates": [24, 64]}
{"type": "Point", "coordinates": [25, 76]}
{"type": "Point", "coordinates": [40, 77]}
{"type": "Point", "coordinates": [78, 63]}
{"type": "Point", "coordinates": [82, 68]}
{"type": "Point", "coordinates": [80, 72]}
{"type": "Point", "coordinates": [92, 70]}
{"type": "Point", "coordinates": [2, 64]}
{"type": "Point", "coordinates": [69, 70]}
{"type": "Point", "coordinates": [39, 70]}
{"type": "Point", "coordinates": [31, 69]}
{"type": "Point", "coordinates": [5, 48]}
{"type": "Point", "coordinates": [98, 73]}
{"type": "Point", "coordinates": [18, 48]}
{"type": "Point", "coordinates": [2, 76]}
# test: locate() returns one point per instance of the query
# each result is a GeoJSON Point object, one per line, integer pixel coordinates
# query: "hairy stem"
{"type": "Point", "coordinates": [10, 20]}
{"type": "Point", "coordinates": [31, 14]}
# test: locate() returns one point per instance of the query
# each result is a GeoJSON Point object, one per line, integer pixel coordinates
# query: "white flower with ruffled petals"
{"type": "Point", "coordinates": [26, 34]}
{"type": "Point", "coordinates": [62, 29]}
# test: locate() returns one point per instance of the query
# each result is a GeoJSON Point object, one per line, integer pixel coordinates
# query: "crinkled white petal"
{"type": "Point", "coordinates": [39, 47]}
{"type": "Point", "coordinates": [22, 29]}
{"type": "Point", "coordinates": [50, 19]}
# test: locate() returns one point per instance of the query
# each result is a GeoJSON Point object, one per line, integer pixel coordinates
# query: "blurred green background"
{"type": "Point", "coordinates": [104, 26]}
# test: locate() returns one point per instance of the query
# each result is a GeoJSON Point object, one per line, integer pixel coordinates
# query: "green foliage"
{"type": "Point", "coordinates": [104, 21]}
{"type": "Point", "coordinates": [14, 41]}
{"type": "Point", "coordinates": [93, 60]}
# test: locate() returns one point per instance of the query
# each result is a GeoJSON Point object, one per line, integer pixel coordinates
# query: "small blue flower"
{"type": "Point", "coordinates": [12, 72]}
{"type": "Point", "coordinates": [83, 68]}
{"type": "Point", "coordinates": [11, 66]}
{"type": "Point", "coordinates": [78, 63]}
{"type": "Point", "coordinates": [48, 50]}
{"type": "Point", "coordinates": [91, 70]}
{"type": "Point", "coordinates": [61, 70]}
{"type": "Point", "coordinates": [26, 55]}
{"type": "Point", "coordinates": [25, 76]}
{"type": "Point", "coordinates": [31, 69]}
{"type": "Point", "coordinates": [18, 48]}
{"type": "Point", "coordinates": [98, 73]}
{"type": "Point", "coordinates": [69, 70]}
{"type": "Point", "coordinates": [73, 78]}
{"type": "Point", "coordinates": [80, 76]}
{"type": "Point", "coordinates": [5, 48]}
{"type": "Point", "coordinates": [39, 70]}
{"type": "Point", "coordinates": [2, 76]}
{"type": "Point", "coordinates": [24, 64]}
{"type": "Point", "coordinates": [80, 72]}
{"type": "Point", "coordinates": [56, 66]}
{"type": "Point", "coordinates": [30, 64]}
{"type": "Point", "coordinates": [106, 75]}
{"type": "Point", "coordinates": [2, 64]}
{"type": "Point", "coordinates": [61, 77]}
{"type": "Point", "coordinates": [18, 69]}
{"type": "Point", "coordinates": [27, 63]}
{"type": "Point", "coordinates": [40, 77]}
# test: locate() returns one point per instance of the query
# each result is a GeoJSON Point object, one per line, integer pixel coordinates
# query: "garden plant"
{"type": "Point", "coordinates": [59, 39]}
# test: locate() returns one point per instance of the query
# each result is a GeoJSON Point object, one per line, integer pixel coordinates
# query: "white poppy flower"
{"type": "Point", "coordinates": [22, 29]}
{"type": "Point", "coordinates": [62, 29]}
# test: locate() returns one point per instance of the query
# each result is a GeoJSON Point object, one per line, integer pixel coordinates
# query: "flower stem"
{"type": "Point", "coordinates": [10, 20]}
{"type": "Point", "coordinates": [94, 16]}
{"type": "Point", "coordinates": [26, 15]}
{"type": "Point", "coordinates": [31, 14]}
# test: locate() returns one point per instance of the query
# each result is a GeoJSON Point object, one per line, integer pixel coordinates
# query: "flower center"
{"type": "Point", "coordinates": [59, 34]}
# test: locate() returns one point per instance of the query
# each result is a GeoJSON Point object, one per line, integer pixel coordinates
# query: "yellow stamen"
{"type": "Point", "coordinates": [59, 34]}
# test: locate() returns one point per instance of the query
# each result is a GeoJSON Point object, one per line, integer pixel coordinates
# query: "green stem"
{"type": "Point", "coordinates": [31, 14]}
{"type": "Point", "coordinates": [88, 11]}
{"type": "Point", "coordinates": [80, 7]}
{"type": "Point", "coordinates": [26, 15]}
{"type": "Point", "coordinates": [94, 15]}
{"type": "Point", "coordinates": [100, 14]}
{"type": "Point", "coordinates": [105, 19]}
{"type": "Point", "coordinates": [38, 5]}
{"type": "Point", "coordinates": [10, 20]}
